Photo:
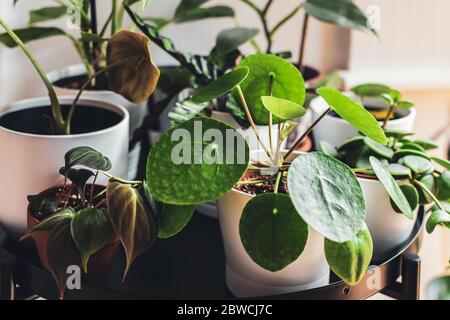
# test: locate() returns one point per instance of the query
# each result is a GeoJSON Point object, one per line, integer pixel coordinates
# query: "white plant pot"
{"type": "Point", "coordinates": [30, 163]}
{"type": "Point", "coordinates": [388, 228]}
{"type": "Point", "coordinates": [137, 112]}
{"type": "Point", "coordinates": [336, 131]}
{"type": "Point", "coordinates": [247, 279]}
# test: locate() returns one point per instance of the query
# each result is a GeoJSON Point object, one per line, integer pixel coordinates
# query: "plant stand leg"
{"type": "Point", "coordinates": [411, 277]}
{"type": "Point", "coordinates": [6, 283]}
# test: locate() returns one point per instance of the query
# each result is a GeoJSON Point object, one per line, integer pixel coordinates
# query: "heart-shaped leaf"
{"type": "Point", "coordinates": [91, 230]}
{"type": "Point", "coordinates": [193, 164]}
{"type": "Point", "coordinates": [354, 114]}
{"type": "Point", "coordinates": [231, 39]}
{"type": "Point", "coordinates": [283, 109]}
{"type": "Point", "coordinates": [442, 162]}
{"type": "Point", "coordinates": [272, 232]}
{"type": "Point", "coordinates": [350, 260]}
{"type": "Point", "coordinates": [88, 157]}
{"type": "Point", "coordinates": [371, 90]}
{"type": "Point", "coordinates": [221, 86]}
{"type": "Point", "coordinates": [417, 164]}
{"type": "Point", "coordinates": [327, 196]}
{"type": "Point", "coordinates": [79, 178]}
{"type": "Point", "coordinates": [287, 83]}
{"type": "Point", "coordinates": [379, 149]}
{"type": "Point", "coordinates": [438, 217]}
{"type": "Point", "coordinates": [173, 219]}
{"type": "Point", "coordinates": [133, 73]}
{"type": "Point", "coordinates": [411, 194]}
{"type": "Point", "coordinates": [391, 187]}
{"type": "Point", "coordinates": [132, 220]}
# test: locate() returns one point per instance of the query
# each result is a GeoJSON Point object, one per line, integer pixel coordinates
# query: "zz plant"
{"type": "Point", "coordinates": [323, 193]}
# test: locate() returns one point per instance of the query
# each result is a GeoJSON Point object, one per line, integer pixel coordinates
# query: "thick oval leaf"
{"type": "Point", "coordinates": [88, 157]}
{"type": "Point", "coordinates": [397, 134]}
{"type": "Point", "coordinates": [221, 86]}
{"type": "Point", "coordinates": [442, 162]}
{"type": "Point", "coordinates": [427, 144]}
{"type": "Point", "coordinates": [173, 219]}
{"type": "Point", "coordinates": [412, 146]}
{"type": "Point", "coordinates": [229, 40]}
{"type": "Point", "coordinates": [354, 114]}
{"type": "Point", "coordinates": [398, 170]}
{"type": "Point", "coordinates": [391, 186]}
{"type": "Point", "coordinates": [272, 232]}
{"type": "Point", "coordinates": [443, 186]}
{"type": "Point", "coordinates": [283, 109]}
{"type": "Point", "coordinates": [379, 149]}
{"type": "Point", "coordinates": [417, 164]}
{"type": "Point", "coordinates": [91, 230]}
{"type": "Point", "coordinates": [411, 194]}
{"type": "Point", "coordinates": [62, 252]}
{"type": "Point", "coordinates": [188, 167]}
{"type": "Point", "coordinates": [409, 152]}
{"type": "Point", "coordinates": [343, 13]}
{"type": "Point", "coordinates": [133, 73]}
{"type": "Point", "coordinates": [350, 260]}
{"type": "Point", "coordinates": [132, 220]}
{"type": "Point", "coordinates": [327, 196]}
{"type": "Point", "coordinates": [429, 182]}
{"type": "Point", "coordinates": [371, 90]}
{"type": "Point", "coordinates": [47, 13]}
{"type": "Point", "coordinates": [438, 217]}
{"type": "Point", "coordinates": [30, 34]}
{"type": "Point", "coordinates": [287, 84]}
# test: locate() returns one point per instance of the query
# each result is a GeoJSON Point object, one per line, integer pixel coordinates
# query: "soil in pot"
{"type": "Point", "coordinates": [36, 120]}
{"type": "Point", "coordinates": [260, 188]}
{"type": "Point", "coordinates": [379, 113]}
{"type": "Point", "coordinates": [77, 82]}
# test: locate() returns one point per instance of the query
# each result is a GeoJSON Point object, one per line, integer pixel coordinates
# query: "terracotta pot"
{"type": "Point", "coordinates": [100, 263]}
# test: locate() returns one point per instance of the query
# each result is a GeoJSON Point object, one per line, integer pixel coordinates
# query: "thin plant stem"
{"type": "Point", "coordinates": [310, 129]}
{"type": "Point", "coordinates": [432, 196]}
{"type": "Point", "coordinates": [117, 179]}
{"type": "Point", "coordinates": [391, 111]}
{"type": "Point", "coordinates": [114, 17]}
{"type": "Point", "coordinates": [304, 33]}
{"type": "Point", "coordinates": [271, 77]}
{"type": "Point", "coordinates": [105, 26]}
{"type": "Point", "coordinates": [285, 20]}
{"type": "Point", "coordinates": [277, 182]}
{"type": "Point", "coordinates": [93, 186]}
{"type": "Point", "coordinates": [250, 120]}
{"type": "Point", "coordinates": [255, 181]}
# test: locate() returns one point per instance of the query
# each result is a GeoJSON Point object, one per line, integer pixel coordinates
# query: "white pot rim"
{"type": "Point", "coordinates": [44, 101]}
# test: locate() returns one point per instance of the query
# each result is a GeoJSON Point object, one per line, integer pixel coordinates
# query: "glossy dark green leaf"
{"type": "Point", "coordinates": [398, 134]}
{"type": "Point", "coordinates": [283, 109]}
{"type": "Point", "coordinates": [429, 182]}
{"type": "Point", "coordinates": [438, 217]}
{"type": "Point", "coordinates": [231, 39]}
{"type": "Point", "coordinates": [31, 34]}
{"type": "Point", "coordinates": [272, 232]}
{"type": "Point", "coordinates": [443, 186]}
{"type": "Point", "coordinates": [412, 146]}
{"type": "Point", "coordinates": [391, 187]}
{"type": "Point", "coordinates": [88, 157]}
{"type": "Point", "coordinates": [132, 220]}
{"type": "Point", "coordinates": [350, 260]}
{"type": "Point", "coordinates": [411, 194]}
{"type": "Point", "coordinates": [353, 113]}
{"type": "Point", "coordinates": [327, 196]}
{"type": "Point", "coordinates": [398, 170]}
{"type": "Point", "coordinates": [187, 5]}
{"type": "Point", "coordinates": [410, 152]}
{"type": "Point", "coordinates": [221, 86]}
{"type": "Point", "coordinates": [205, 13]}
{"type": "Point", "coordinates": [79, 177]}
{"type": "Point", "coordinates": [185, 169]}
{"type": "Point", "coordinates": [427, 144]}
{"type": "Point", "coordinates": [287, 84]}
{"type": "Point", "coordinates": [47, 13]}
{"type": "Point", "coordinates": [343, 13]}
{"type": "Point", "coordinates": [371, 90]}
{"type": "Point", "coordinates": [91, 230]}
{"type": "Point", "coordinates": [173, 219]}
{"type": "Point", "coordinates": [328, 149]}
{"type": "Point", "coordinates": [442, 162]}
{"type": "Point", "coordinates": [379, 149]}
{"type": "Point", "coordinates": [417, 164]}
{"type": "Point", "coordinates": [351, 144]}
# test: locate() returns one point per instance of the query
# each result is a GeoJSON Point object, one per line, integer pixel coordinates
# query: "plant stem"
{"type": "Point", "coordinates": [285, 20]}
{"type": "Point", "coordinates": [114, 18]}
{"type": "Point", "coordinates": [427, 191]}
{"type": "Point", "coordinates": [304, 33]}
{"type": "Point", "coordinates": [277, 182]}
{"type": "Point", "coordinates": [256, 181]}
{"type": "Point", "coordinates": [300, 140]}
{"type": "Point", "coordinates": [250, 120]}
{"type": "Point", "coordinates": [93, 185]}
{"type": "Point", "coordinates": [262, 14]}
{"type": "Point", "coordinates": [271, 77]}
{"type": "Point", "coordinates": [391, 111]}
{"type": "Point", "coordinates": [58, 119]}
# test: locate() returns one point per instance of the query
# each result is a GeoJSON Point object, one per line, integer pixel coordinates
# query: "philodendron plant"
{"type": "Point", "coordinates": [198, 161]}
{"type": "Point", "coordinates": [130, 67]}
{"type": "Point", "coordinates": [408, 174]}
{"type": "Point", "coordinates": [83, 218]}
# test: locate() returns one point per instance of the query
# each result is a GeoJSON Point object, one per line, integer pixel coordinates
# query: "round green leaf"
{"type": "Point", "coordinates": [391, 186]}
{"type": "Point", "coordinates": [221, 86]}
{"type": "Point", "coordinates": [397, 170]}
{"type": "Point", "coordinates": [327, 195]}
{"type": "Point", "coordinates": [411, 194]}
{"type": "Point", "coordinates": [350, 260]}
{"type": "Point", "coordinates": [379, 149]}
{"type": "Point", "coordinates": [173, 219]}
{"type": "Point", "coordinates": [91, 230]}
{"type": "Point", "coordinates": [417, 164]}
{"type": "Point", "coordinates": [371, 90]}
{"type": "Point", "coordinates": [409, 152]}
{"type": "Point", "coordinates": [272, 232]}
{"type": "Point", "coordinates": [287, 84]}
{"type": "Point", "coordinates": [194, 168]}
{"type": "Point", "coordinates": [283, 109]}
{"type": "Point", "coordinates": [353, 113]}
{"type": "Point", "coordinates": [438, 217]}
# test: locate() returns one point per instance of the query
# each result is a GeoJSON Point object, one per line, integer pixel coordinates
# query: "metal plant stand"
{"type": "Point", "coordinates": [192, 266]}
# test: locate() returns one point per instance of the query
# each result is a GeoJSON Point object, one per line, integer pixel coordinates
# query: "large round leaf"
{"type": "Point", "coordinates": [133, 73]}
{"type": "Point", "coordinates": [287, 84]}
{"type": "Point", "coordinates": [272, 232]}
{"type": "Point", "coordinates": [350, 260]}
{"type": "Point", "coordinates": [186, 167]}
{"type": "Point", "coordinates": [327, 196]}
{"type": "Point", "coordinates": [354, 114]}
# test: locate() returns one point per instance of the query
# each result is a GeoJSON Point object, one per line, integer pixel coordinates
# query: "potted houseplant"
{"type": "Point", "coordinates": [396, 178]}
{"type": "Point", "coordinates": [267, 207]}
{"type": "Point", "coordinates": [35, 132]}
{"type": "Point", "coordinates": [83, 224]}
{"type": "Point", "coordinates": [385, 103]}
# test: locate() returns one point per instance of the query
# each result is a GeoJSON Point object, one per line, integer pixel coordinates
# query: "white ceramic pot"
{"type": "Point", "coordinates": [388, 228]}
{"type": "Point", "coordinates": [137, 112]}
{"type": "Point", "coordinates": [247, 279]}
{"type": "Point", "coordinates": [30, 163]}
{"type": "Point", "coordinates": [336, 131]}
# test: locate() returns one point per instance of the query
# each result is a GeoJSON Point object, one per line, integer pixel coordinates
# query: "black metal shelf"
{"type": "Point", "coordinates": [192, 266]}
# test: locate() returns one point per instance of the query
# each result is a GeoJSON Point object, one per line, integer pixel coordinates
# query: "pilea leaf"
{"type": "Point", "coordinates": [411, 194]}
{"type": "Point", "coordinates": [438, 217]}
{"type": "Point", "coordinates": [88, 157]}
{"type": "Point", "coordinates": [417, 164]}
{"type": "Point", "coordinates": [272, 232]}
{"type": "Point", "coordinates": [350, 260]}
{"type": "Point", "coordinates": [173, 219]}
{"type": "Point", "coordinates": [131, 218]}
{"type": "Point", "coordinates": [327, 196]}
{"type": "Point", "coordinates": [379, 149]}
{"type": "Point", "coordinates": [371, 90]}
{"type": "Point", "coordinates": [283, 109]}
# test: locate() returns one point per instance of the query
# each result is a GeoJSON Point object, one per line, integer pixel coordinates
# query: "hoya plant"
{"type": "Point", "coordinates": [83, 218]}
{"type": "Point", "coordinates": [129, 65]}
{"type": "Point", "coordinates": [409, 175]}
{"type": "Point", "coordinates": [193, 164]}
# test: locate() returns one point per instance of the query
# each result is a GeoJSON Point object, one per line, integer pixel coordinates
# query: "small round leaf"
{"type": "Point", "coordinates": [379, 149]}
{"type": "Point", "coordinates": [399, 171]}
{"type": "Point", "coordinates": [417, 164]}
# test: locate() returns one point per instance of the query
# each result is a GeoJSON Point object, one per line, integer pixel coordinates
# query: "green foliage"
{"type": "Point", "coordinates": [283, 109]}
